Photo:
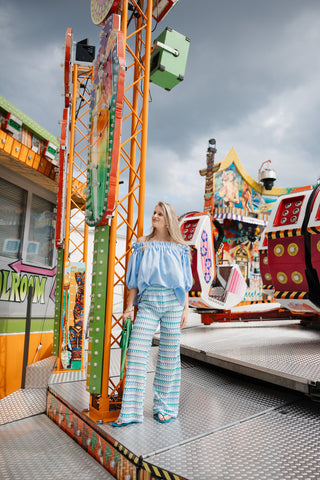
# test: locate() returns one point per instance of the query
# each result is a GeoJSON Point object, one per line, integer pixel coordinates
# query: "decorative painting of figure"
{"type": "Point", "coordinates": [246, 196]}
{"type": "Point", "coordinates": [230, 188]}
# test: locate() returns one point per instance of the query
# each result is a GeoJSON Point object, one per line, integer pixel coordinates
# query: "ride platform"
{"type": "Point", "coordinates": [229, 425]}
{"type": "Point", "coordinates": [278, 351]}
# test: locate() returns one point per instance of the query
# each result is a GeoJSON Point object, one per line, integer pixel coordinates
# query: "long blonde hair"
{"type": "Point", "coordinates": [172, 224]}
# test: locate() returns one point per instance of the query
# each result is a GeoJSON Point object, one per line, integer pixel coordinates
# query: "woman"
{"type": "Point", "coordinates": [159, 278]}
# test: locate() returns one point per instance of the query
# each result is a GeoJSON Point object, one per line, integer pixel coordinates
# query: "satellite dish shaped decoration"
{"type": "Point", "coordinates": [161, 8]}
{"type": "Point", "coordinates": [105, 124]}
{"type": "Point", "coordinates": [101, 9]}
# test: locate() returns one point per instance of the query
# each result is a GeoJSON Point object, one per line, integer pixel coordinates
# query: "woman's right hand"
{"type": "Point", "coordinates": [128, 313]}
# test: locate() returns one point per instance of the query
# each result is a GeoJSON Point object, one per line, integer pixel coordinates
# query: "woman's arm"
{"type": "Point", "coordinates": [129, 311]}
{"type": "Point", "coordinates": [184, 317]}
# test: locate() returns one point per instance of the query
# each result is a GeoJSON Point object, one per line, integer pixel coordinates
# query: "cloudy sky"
{"type": "Point", "coordinates": [252, 83]}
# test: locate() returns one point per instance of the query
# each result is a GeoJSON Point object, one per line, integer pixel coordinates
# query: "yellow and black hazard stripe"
{"type": "Point", "coordinates": [313, 230]}
{"type": "Point", "coordinates": [160, 472]}
{"type": "Point", "coordinates": [295, 232]}
{"type": "Point", "coordinates": [267, 287]}
{"type": "Point", "coordinates": [126, 453]}
{"type": "Point", "coordinates": [291, 295]}
{"type": "Point", "coordinates": [254, 302]}
{"type": "Point", "coordinates": [194, 294]}
{"type": "Point", "coordinates": [155, 471]}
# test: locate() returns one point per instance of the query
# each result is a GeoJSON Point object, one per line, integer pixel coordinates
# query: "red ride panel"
{"type": "Point", "coordinates": [288, 212]}
{"type": "Point", "coordinates": [286, 258]}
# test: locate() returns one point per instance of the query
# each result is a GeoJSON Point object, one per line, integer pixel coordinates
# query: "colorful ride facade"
{"type": "Point", "coordinates": [28, 187]}
{"type": "Point", "coordinates": [242, 207]}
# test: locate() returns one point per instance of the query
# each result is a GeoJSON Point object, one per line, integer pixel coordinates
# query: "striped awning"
{"type": "Point", "coordinates": [240, 215]}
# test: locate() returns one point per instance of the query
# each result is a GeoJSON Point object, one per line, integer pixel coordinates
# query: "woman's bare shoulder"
{"type": "Point", "coordinates": [141, 239]}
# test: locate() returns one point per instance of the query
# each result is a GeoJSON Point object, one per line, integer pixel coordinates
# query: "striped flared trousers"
{"type": "Point", "coordinates": [157, 305]}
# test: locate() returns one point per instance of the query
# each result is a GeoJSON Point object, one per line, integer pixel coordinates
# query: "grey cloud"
{"type": "Point", "coordinates": [251, 82]}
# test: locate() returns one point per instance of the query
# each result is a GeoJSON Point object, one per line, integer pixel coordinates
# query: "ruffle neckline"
{"type": "Point", "coordinates": [162, 244]}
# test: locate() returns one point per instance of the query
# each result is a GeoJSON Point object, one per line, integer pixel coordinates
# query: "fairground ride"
{"type": "Point", "coordinates": [103, 145]}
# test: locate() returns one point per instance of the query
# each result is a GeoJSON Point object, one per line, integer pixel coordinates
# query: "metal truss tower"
{"type": "Point", "coordinates": [71, 230]}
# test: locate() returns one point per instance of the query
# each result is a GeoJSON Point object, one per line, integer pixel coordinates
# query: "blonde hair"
{"type": "Point", "coordinates": [172, 224]}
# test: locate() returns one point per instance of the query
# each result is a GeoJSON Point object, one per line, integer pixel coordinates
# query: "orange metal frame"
{"type": "Point", "coordinates": [78, 164]}
{"type": "Point", "coordinates": [76, 232]}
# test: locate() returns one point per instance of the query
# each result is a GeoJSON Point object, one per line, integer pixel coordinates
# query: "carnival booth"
{"type": "Point", "coordinates": [28, 167]}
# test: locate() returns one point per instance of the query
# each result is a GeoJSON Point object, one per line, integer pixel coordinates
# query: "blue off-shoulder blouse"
{"type": "Point", "coordinates": [164, 264]}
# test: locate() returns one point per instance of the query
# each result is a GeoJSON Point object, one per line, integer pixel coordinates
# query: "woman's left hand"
{"type": "Point", "coordinates": [184, 318]}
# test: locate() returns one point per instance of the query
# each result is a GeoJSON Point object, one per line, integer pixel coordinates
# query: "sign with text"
{"type": "Point", "coordinates": [15, 279]}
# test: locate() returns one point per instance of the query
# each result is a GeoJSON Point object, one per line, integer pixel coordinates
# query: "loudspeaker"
{"type": "Point", "coordinates": [169, 59]}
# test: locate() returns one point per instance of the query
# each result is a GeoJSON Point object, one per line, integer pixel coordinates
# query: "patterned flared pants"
{"type": "Point", "coordinates": [157, 305]}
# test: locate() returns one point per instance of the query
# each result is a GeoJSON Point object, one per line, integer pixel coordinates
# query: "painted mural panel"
{"type": "Point", "coordinates": [72, 316]}
{"type": "Point", "coordinates": [232, 190]}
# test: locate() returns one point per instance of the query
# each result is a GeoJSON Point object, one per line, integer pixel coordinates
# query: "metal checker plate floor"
{"type": "Point", "coordinates": [228, 428]}
{"type": "Point", "coordinates": [74, 376]}
{"type": "Point", "coordinates": [286, 351]}
{"type": "Point", "coordinates": [22, 403]}
{"type": "Point", "coordinates": [280, 445]}
{"type": "Point", "coordinates": [36, 449]}
{"type": "Point", "coordinates": [67, 376]}
{"type": "Point", "coordinates": [209, 400]}
{"type": "Point", "coordinates": [74, 392]}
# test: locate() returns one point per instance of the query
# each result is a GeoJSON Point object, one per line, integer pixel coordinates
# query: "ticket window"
{"type": "Point", "coordinates": [12, 217]}
{"type": "Point", "coordinates": [40, 247]}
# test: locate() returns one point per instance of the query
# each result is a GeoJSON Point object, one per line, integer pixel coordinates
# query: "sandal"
{"type": "Point", "coordinates": [115, 424]}
{"type": "Point", "coordinates": [162, 420]}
